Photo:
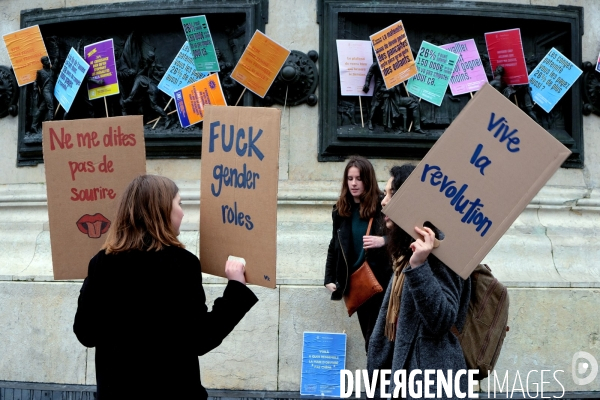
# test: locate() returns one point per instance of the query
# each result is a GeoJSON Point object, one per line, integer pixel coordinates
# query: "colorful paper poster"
{"type": "Point", "coordinates": [101, 57]}
{"type": "Point", "coordinates": [393, 54]}
{"type": "Point", "coordinates": [435, 66]}
{"type": "Point", "coordinates": [477, 179]}
{"type": "Point", "coordinates": [238, 191]}
{"type": "Point", "coordinates": [88, 162]}
{"type": "Point", "coordinates": [354, 58]}
{"type": "Point", "coordinates": [201, 43]}
{"type": "Point", "coordinates": [598, 64]}
{"type": "Point", "coordinates": [506, 49]}
{"type": "Point", "coordinates": [181, 72]}
{"type": "Point", "coordinates": [551, 79]}
{"type": "Point", "coordinates": [260, 64]}
{"type": "Point", "coordinates": [25, 49]}
{"type": "Point", "coordinates": [190, 100]}
{"type": "Point", "coordinates": [69, 80]}
{"type": "Point", "coordinates": [469, 74]}
{"type": "Point", "coordinates": [323, 359]}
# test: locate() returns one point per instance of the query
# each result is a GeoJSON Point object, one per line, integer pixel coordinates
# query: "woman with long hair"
{"type": "Point", "coordinates": [142, 305]}
{"type": "Point", "coordinates": [350, 246]}
{"type": "Point", "coordinates": [423, 302]}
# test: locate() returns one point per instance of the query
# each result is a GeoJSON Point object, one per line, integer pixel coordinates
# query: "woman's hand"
{"type": "Point", "coordinates": [234, 271]}
{"type": "Point", "coordinates": [373, 242]}
{"type": "Point", "coordinates": [421, 247]}
{"type": "Point", "coordinates": [331, 286]}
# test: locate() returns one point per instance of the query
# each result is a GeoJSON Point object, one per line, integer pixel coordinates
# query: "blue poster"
{"type": "Point", "coordinates": [70, 78]}
{"type": "Point", "coordinates": [181, 72]}
{"type": "Point", "coordinates": [323, 357]}
{"type": "Point", "coordinates": [551, 79]}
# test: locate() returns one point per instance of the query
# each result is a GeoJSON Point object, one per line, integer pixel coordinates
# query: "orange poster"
{"type": "Point", "coordinates": [260, 63]}
{"type": "Point", "coordinates": [393, 54]}
{"type": "Point", "coordinates": [25, 49]}
{"type": "Point", "coordinates": [190, 100]}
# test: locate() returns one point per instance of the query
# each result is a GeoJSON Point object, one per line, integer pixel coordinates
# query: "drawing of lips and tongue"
{"type": "Point", "coordinates": [93, 225]}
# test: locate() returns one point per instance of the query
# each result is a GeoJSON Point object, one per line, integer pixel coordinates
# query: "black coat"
{"type": "Point", "coordinates": [145, 313]}
{"type": "Point", "coordinates": [337, 265]}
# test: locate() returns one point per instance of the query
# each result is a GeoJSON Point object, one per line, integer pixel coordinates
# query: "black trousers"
{"type": "Point", "coordinates": [367, 316]}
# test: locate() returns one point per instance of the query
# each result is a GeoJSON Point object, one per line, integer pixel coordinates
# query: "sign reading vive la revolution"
{"type": "Point", "coordinates": [238, 196]}
{"type": "Point", "coordinates": [478, 177]}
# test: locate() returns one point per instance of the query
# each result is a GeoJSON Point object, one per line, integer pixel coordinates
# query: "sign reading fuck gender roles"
{"type": "Point", "coordinates": [469, 75]}
{"type": "Point", "coordinates": [435, 66]}
{"type": "Point", "coordinates": [181, 72]}
{"type": "Point", "coordinates": [551, 79]}
{"type": "Point", "coordinates": [69, 80]}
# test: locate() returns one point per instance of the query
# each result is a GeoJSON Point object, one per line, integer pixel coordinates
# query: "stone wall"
{"type": "Point", "coordinates": [548, 258]}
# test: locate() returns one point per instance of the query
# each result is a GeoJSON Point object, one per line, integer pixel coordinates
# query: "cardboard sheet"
{"type": "Point", "coordinates": [478, 177]}
{"type": "Point", "coordinates": [238, 196]}
{"type": "Point", "coordinates": [88, 163]}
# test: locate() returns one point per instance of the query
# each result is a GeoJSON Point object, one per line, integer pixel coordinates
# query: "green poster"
{"type": "Point", "coordinates": [201, 43]}
{"type": "Point", "coordinates": [435, 66]}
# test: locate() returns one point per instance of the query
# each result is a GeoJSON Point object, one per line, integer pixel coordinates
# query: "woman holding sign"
{"type": "Point", "coordinates": [142, 304]}
{"type": "Point", "coordinates": [424, 300]}
{"type": "Point", "coordinates": [351, 244]}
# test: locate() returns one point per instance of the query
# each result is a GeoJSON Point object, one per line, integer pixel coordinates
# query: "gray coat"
{"type": "Point", "coordinates": [433, 299]}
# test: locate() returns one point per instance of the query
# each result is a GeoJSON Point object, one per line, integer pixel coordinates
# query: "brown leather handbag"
{"type": "Point", "coordinates": [362, 286]}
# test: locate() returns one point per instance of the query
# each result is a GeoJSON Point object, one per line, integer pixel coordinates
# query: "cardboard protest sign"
{"type": "Point", "coordinates": [69, 80]}
{"type": "Point", "coordinates": [506, 49]}
{"type": "Point", "coordinates": [355, 57]}
{"type": "Point", "coordinates": [260, 63]}
{"type": "Point", "coordinates": [393, 54]}
{"type": "Point", "coordinates": [25, 49]}
{"type": "Point", "coordinates": [469, 75]}
{"type": "Point", "coordinates": [478, 177]}
{"type": "Point", "coordinates": [323, 359]}
{"type": "Point", "coordinates": [238, 196]}
{"type": "Point", "coordinates": [435, 66]}
{"type": "Point", "coordinates": [101, 57]}
{"type": "Point", "coordinates": [181, 72]}
{"type": "Point", "coordinates": [201, 43]}
{"type": "Point", "coordinates": [190, 100]}
{"type": "Point", "coordinates": [88, 164]}
{"type": "Point", "coordinates": [551, 79]}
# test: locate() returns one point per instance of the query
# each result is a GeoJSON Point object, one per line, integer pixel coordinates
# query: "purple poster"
{"type": "Point", "coordinates": [101, 57]}
{"type": "Point", "coordinates": [469, 75]}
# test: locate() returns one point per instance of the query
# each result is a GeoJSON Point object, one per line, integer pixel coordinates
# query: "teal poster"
{"type": "Point", "coordinates": [435, 66]}
{"type": "Point", "coordinates": [201, 43]}
{"type": "Point", "coordinates": [551, 79]}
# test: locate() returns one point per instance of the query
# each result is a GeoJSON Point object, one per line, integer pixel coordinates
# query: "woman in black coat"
{"type": "Point", "coordinates": [422, 303]}
{"type": "Point", "coordinates": [349, 247]}
{"type": "Point", "coordinates": [142, 305]}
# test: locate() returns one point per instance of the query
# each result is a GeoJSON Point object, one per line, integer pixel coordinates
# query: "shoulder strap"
{"type": "Point", "coordinates": [369, 227]}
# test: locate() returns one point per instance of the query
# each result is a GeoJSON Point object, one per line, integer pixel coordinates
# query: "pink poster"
{"type": "Point", "coordinates": [469, 75]}
{"type": "Point", "coordinates": [506, 49]}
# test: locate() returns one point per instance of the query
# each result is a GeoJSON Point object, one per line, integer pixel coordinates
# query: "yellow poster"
{"type": "Point", "coordinates": [190, 100]}
{"type": "Point", "coordinates": [25, 49]}
{"type": "Point", "coordinates": [260, 63]}
{"type": "Point", "coordinates": [393, 54]}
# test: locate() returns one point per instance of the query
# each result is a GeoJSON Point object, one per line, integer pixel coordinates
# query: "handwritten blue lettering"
{"type": "Point", "coordinates": [242, 179]}
{"type": "Point", "coordinates": [250, 147]}
{"type": "Point", "coordinates": [502, 131]}
{"type": "Point", "coordinates": [232, 216]}
{"type": "Point", "coordinates": [480, 162]}
{"type": "Point", "coordinates": [458, 199]}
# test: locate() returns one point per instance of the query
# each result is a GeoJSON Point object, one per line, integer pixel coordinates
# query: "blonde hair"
{"type": "Point", "coordinates": [143, 220]}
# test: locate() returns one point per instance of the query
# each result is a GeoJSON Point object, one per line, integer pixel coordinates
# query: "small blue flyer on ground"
{"type": "Point", "coordinates": [551, 79]}
{"type": "Point", "coordinates": [323, 357]}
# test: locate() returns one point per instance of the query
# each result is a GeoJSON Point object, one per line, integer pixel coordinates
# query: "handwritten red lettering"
{"type": "Point", "coordinates": [88, 139]}
{"type": "Point", "coordinates": [92, 194]}
{"type": "Point", "coordinates": [64, 141]}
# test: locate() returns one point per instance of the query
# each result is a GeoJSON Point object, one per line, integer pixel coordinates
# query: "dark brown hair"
{"type": "Point", "coordinates": [398, 240]}
{"type": "Point", "coordinates": [370, 197]}
{"type": "Point", "coordinates": [143, 220]}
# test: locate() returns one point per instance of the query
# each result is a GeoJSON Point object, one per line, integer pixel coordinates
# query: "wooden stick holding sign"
{"type": "Point", "coordinates": [362, 122]}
